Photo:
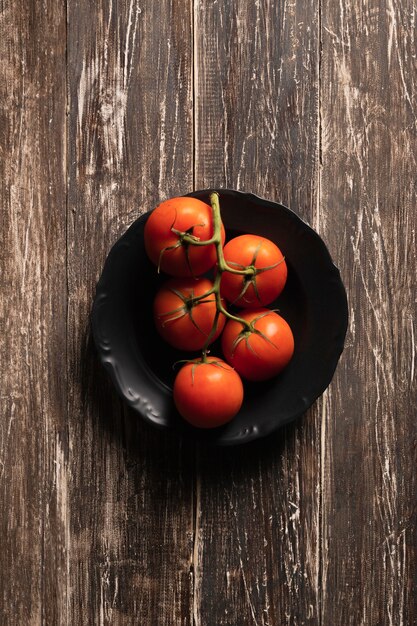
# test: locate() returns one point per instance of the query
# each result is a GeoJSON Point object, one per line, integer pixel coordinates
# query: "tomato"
{"type": "Point", "coordinates": [262, 353]}
{"type": "Point", "coordinates": [180, 320]}
{"type": "Point", "coordinates": [270, 277]}
{"type": "Point", "coordinates": [208, 394]}
{"type": "Point", "coordinates": [164, 229]}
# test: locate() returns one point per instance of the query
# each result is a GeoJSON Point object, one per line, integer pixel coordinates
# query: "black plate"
{"type": "Point", "coordinates": [313, 302]}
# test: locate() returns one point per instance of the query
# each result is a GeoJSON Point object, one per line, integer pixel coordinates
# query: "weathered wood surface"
{"type": "Point", "coordinates": [130, 522]}
{"type": "Point", "coordinates": [368, 216]}
{"type": "Point", "coordinates": [258, 513]}
{"type": "Point", "coordinates": [33, 312]}
{"type": "Point", "coordinates": [108, 107]}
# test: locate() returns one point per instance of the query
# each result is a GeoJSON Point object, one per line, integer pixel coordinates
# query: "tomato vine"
{"type": "Point", "coordinates": [188, 239]}
{"type": "Point", "coordinates": [185, 238]}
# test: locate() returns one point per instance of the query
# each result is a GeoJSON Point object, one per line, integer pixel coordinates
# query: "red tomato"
{"type": "Point", "coordinates": [208, 394]}
{"type": "Point", "coordinates": [182, 322]}
{"type": "Point", "coordinates": [163, 237]}
{"type": "Point", "coordinates": [263, 353]}
{"type": "Point", "coordinates": [269, 280]}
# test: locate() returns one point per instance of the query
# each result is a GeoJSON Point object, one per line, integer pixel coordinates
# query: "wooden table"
{"type": "Point", "coordinates": [107, 108]}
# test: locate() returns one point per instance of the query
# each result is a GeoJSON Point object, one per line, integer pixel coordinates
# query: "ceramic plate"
{"type": "Point", "coordinates": [313, 302]}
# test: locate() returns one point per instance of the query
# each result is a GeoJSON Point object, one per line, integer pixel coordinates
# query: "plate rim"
{"type": "Point", "coordinates": [195, 434]}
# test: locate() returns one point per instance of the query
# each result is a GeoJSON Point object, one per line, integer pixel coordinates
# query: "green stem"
{"type": "Point", "coordinates": [222, 266]}
{"type": "Point", "coordinates": [196, 242]}
{"type": "Point", "coordinates": [219, 303]}
{"type": "Point", "coordinates": [204, 355]}
{"type": "Point", "coordinates": [217, 240]}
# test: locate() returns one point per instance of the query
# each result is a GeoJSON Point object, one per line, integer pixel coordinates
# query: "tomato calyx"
{"type": "Point", "coordinates": [250, 272]}
{"type": "Point", "coordinates": [189, 302]}
{"type": "Point", "coordinates": [186, 238]}
{"type": "Point", "coordinates": [247, 332]}
{"type": "Point", "coordinates": [202, 360]}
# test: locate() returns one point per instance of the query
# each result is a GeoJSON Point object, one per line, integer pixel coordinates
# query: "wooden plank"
{"type": "Point", "coordinates": [100, 522]}
{"type": "Point", "coordinates": [257, 543]}
{"type": "Point", "coordinates": [32, 311]}
{"type": "Point", "coordinates": [368, 216]}
{"type": "Point", "coordinates": [131, 521]}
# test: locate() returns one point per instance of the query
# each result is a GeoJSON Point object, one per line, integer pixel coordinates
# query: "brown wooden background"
{"type": "Point", "coordinates": [107, 107]}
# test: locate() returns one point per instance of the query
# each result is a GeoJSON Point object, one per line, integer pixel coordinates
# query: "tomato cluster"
{"type": "Point", "coordinates": [184, 237]}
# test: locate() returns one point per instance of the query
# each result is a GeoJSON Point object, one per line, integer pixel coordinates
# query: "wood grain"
{"type": "Point", "coordinates": [130, 128]}
{"type": "Point", "coordinates": [32, 311]}
{"type": "Point", "coordinates": [257, 546]}
{"type": "Point", "coordinates": [108, 108]}
{"type": "Point", "coordinates": [367, 214]}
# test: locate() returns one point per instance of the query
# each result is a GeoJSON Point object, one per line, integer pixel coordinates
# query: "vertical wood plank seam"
{"type": "Point", "coordinates": [65, 152]}
{"type": "Point", "coordinates": [196, 499]}
{"type": "Point", "coordinates": [320, 547]}
{"type": "Point", "coordinates": [319, 117]}
{"type": "Point", "coordinates": [66, 174]}
{"type": "Point", "coordinates": [42, 585]}
{"type": "Point", "coordinates": [193, 10]}
{"type": "Point", "coordinates": [196, 539]}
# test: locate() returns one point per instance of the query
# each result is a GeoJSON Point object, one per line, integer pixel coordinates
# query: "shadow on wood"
{"type": "Point", "coordinates": [139, 483]}
{"type": "Point", "coordinates": [123, 425]}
